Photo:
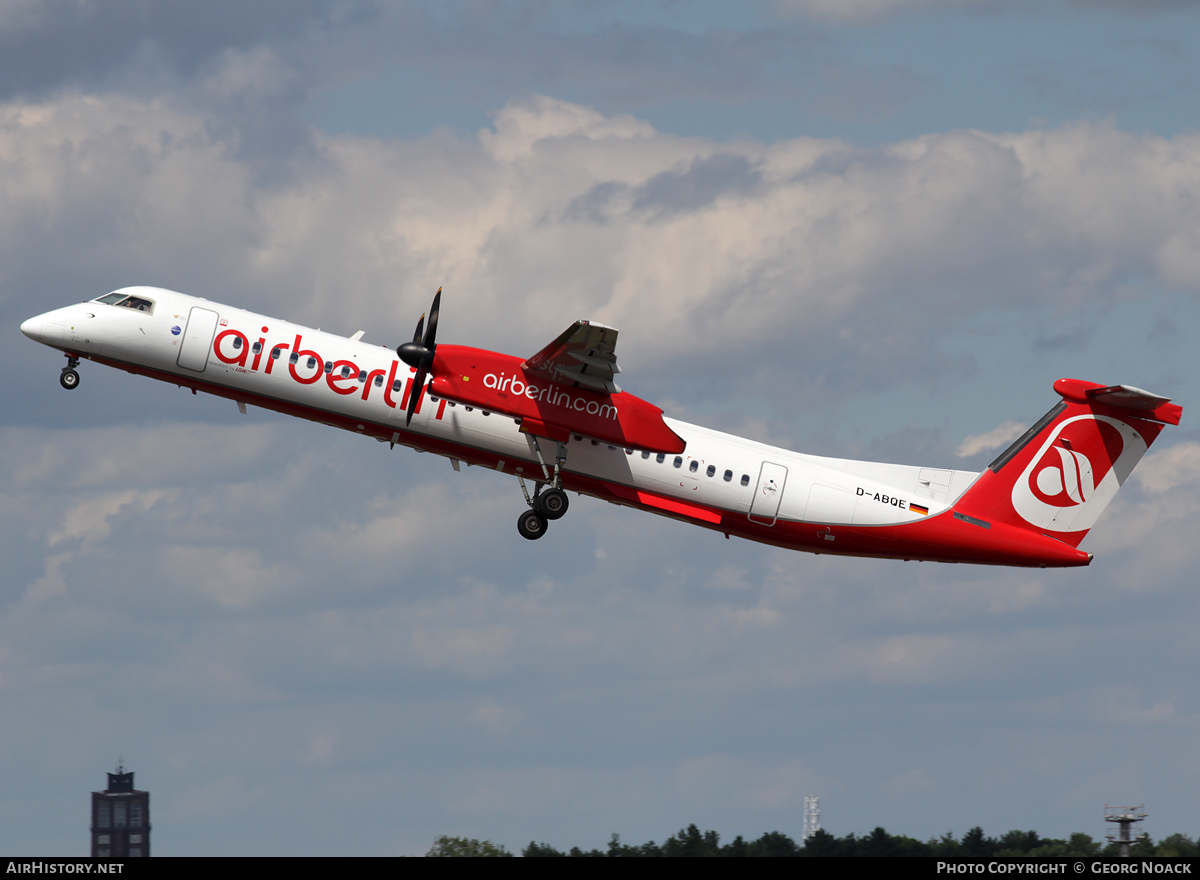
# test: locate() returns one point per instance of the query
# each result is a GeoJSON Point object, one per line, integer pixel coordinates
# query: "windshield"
{"type": "Point", "coordinates": [138, 303]}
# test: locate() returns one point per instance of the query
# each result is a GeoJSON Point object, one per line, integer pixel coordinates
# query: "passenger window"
{"type": "Point", "coordinates": [345, 372]}
{"type": "Point", "coordinates": [295, 358]}
{"type": "Point", "coordinates": [661, 457]}
{"type": "Point", "coordinates": [362, 375]}
{"type": "Point", "coordinates": [694, 466]}
{"type": "Point", "coordinates": [312, 362]}
{"type": "Point", "coordinates": [256, 348]}
{"type": "Point", "coordinates": [328, 367]}
{"type": "Point", "coordinates": [275, 354]}
{"type": "Point", "coordinates": [629, 452]}
{"type": "Point", "coordinates": [679, 461]}
{"type": "Point", "coordinates": [395, 386]}
{"type": "Point", "coordinates": [237, 342]}
{"type": "Point", "coordinates": [711, 470]}
{"type": "Point", "coordinates": [379, 381]}
{"type": "Point", "coordinates": [645, 455]}
{"type": "Point", "coordinates": [745, 479]}
{"type": "Point", "coordinates": [728, 476]}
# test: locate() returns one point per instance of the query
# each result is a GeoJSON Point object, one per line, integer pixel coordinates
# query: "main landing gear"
{"type": "Point", "coordinates": [69, 378]}
{"type": "Point", "coordinates": [546, 504]}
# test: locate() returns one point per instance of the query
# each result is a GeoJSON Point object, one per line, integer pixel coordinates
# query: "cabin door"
{"type": "Point", "coordinates": [197, 339]}
{"type": "Point", "coordinates": [767, 495]}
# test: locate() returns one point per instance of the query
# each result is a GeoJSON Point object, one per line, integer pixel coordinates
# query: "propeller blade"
{"type": "Point", "coordinates": [419, 353]}
{"type": "Point", "coordinates": [431, 333]}
{"type": "Point", "coordinates": [414, 396]}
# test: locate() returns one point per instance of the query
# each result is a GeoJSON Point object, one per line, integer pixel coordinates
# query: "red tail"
{"type": "Point", "coordinates": [1058, 477]}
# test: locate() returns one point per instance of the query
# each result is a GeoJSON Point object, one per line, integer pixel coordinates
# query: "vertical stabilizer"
{"type": "Point", "coordinates": [1058, 477]}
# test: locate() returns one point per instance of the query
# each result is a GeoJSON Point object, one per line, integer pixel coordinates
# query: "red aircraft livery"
{"type": "Point", "coordinates": [558, 420]}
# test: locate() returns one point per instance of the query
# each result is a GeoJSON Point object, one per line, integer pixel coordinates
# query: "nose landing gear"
{"type": "Point", "coordinates": [545, 505]}
{"type": "Point", "coordinates": [69, 378]}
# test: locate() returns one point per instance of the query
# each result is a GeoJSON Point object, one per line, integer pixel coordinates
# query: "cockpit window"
{"type": "Point", "coordinates": [138, 303]}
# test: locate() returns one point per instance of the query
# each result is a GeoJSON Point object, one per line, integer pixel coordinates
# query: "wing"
{"type": "Point", "coordinates": [583, 356]}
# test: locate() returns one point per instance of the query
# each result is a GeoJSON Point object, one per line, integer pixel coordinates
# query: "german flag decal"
{"type": "Point", "coordinates": [917, 508]}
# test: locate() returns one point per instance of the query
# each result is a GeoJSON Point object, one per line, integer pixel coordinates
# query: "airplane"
{"type": "Point", "coordinates": [559, 421]}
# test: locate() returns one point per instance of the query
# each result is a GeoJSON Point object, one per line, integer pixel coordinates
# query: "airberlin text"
{"type": "Point", "coordinates": [234, 348]}
{"type": "Point", "coordinates": [554, 396]}
{"type": "Point", "coordinates": [883, 499]}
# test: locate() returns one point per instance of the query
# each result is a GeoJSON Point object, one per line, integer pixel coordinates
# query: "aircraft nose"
{"type": "Point", "coordinates": [33, 328]}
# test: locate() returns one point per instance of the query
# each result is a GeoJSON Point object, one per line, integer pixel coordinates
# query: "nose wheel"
{"type": "Point", "coordinates": [69, 379]}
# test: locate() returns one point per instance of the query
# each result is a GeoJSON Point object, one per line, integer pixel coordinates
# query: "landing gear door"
{"type": "Point", "coordinates": [197, 339]}
{"type": "Point", "coordinates": [765, 507]}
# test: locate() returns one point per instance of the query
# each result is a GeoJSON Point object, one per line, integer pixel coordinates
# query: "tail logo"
{"type": "Point", "coordinates": [1076, 473]}
{"type": "Point", "coordinates": [1065, 475]}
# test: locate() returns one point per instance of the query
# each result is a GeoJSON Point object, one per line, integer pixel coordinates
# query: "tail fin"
{"type": "Point", "coordinates": [1058, 477]}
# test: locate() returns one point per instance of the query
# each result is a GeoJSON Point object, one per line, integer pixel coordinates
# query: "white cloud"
{"type": "Point", "coordinates": [88, 521]}
{"type": "Point", "coordinates": [830, 261]}
{"type": "Point", "coordinates": [521, 126]}
{"type": "Point", "coordinates": [994, 439]}
{"type": "Point", "coordinates": [1153, 518]}
{"type": "Point", "coordinates": [1175, 467]}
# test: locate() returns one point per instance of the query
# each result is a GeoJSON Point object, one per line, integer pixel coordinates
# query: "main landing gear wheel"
{"type": "Point", "coordinates": [531, 525]}
{"type": "Point", "coordinates": [70, 380]}
{"type": "Point", "coordinates": [552, 503]}
{"type": "Point", "coordinates": [544, 505]}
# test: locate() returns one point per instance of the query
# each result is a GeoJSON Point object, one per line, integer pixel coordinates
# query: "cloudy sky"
{"type": "Point", "coordinates": [865, 228]}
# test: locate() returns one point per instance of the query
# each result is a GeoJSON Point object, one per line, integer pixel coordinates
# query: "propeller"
{"type": "Point", "coordinates": [419, 353]}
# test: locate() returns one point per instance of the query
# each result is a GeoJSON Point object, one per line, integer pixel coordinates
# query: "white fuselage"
{"type": "Point", "coordinates": [362, 387]}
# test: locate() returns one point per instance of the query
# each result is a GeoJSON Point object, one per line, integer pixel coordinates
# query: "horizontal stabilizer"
{"type": "Point", "coordinates": [1145, 404]}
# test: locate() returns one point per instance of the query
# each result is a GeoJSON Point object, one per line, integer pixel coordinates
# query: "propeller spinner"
{"type": "Point", "coordinates": [419, 353]}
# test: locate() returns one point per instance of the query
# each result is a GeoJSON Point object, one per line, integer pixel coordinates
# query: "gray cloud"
{"type": "Point", "coordinates": [56, 44]}
{"type": "Point", "coordinates": [699, 186]}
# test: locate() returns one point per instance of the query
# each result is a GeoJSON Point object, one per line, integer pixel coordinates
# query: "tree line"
{"type": "Point", "coordinates": [692, 842]}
